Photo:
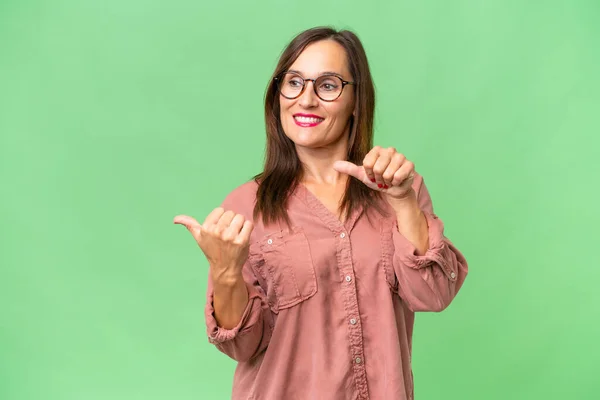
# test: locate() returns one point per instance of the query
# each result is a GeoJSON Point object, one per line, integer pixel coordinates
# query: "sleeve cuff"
{"type": "Point", "coordinates": [250, 317]}
{"type": "Point", "coordinates": [436, 253]}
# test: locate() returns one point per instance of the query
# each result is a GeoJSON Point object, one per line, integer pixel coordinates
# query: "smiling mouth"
{"type": "Point", "coordinates": [307, 121]}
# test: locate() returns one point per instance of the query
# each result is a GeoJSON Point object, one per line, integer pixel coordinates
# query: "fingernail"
{"type": "Point", "coordinates": [385, 186]}
{"type": "Point", "coordinates": [373, 180]}
{"type": "Point", "coordinates": [379, 185]}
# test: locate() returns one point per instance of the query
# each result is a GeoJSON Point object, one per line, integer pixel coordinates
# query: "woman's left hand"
{"type": "Point", "coordinates": [385, 170]}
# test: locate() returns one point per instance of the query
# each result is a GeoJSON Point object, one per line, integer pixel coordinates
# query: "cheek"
{"type": "Point", "coordinates": [284, 108]}
{"type": "Point", "coordinates": [285, 116]}
{"type": "Point", "coordinates": [343, 109]}
{"type": "Point", "coordinates": [341, 113]}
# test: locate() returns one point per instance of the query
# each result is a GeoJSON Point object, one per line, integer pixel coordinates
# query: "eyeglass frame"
{"type": "Point", "coordinates": [314, 81]}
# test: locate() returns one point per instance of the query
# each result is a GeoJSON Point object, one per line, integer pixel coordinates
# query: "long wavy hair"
{"type": "Point", "coordinates": [282, 168]}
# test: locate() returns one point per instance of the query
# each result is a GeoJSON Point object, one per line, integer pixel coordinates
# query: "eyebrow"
{"type": "Point", "coordinates": [322, 73]}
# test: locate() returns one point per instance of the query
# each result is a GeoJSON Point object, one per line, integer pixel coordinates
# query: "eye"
{"type": "Point", "coordinates": [293, 81]}
{"type": "Point", "coordinates": [328, 85]}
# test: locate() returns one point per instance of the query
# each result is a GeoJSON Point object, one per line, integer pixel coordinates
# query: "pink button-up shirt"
{"type": "Point", "coordinates": [331, 305]}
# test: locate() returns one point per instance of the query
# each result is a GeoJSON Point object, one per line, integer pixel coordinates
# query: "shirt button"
{"type": "Point", "coordinates": [453, 275]}
{"type": "Point", "coordinates": [348, 278]}
{"type": "Point", "coordinates": [353, 321]}
{"type": "Point", "coordinates": [270, 241]}
{"type": "Point", "coordinates": [342, 235]}
{"type": "Point", "coordinates": [358, 360]}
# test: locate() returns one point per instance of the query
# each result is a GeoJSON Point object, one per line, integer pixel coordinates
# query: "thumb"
{"type": "Point", "coordinates": [190, 223]}
{"type": "Point", "coordinates": [346, 167]}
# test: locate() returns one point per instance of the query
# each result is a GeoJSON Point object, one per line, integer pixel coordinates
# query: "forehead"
{"type": "Point", "coordinates": [320, 57]}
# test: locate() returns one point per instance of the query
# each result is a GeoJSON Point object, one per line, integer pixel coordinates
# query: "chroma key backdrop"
{"type": "Point", "coordinates": [117, 115]}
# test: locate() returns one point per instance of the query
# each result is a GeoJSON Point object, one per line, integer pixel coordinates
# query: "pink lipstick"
{"type": "Point", "coordinates": [307, 120]}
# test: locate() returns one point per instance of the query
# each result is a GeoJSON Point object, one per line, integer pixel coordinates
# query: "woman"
{"type": "Point", "coordinates": [318, 264]}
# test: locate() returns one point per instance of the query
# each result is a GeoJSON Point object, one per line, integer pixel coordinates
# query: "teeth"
{"type": "Point", "coordinates": [308, 120]}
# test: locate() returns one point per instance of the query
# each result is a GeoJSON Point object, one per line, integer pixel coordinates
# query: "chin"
{"type": "Point", "coordinates": [306, 137]}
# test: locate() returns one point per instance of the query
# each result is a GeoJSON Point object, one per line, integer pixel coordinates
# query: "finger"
{"type": "Point", "coordinates": [185, 220]}
{"type": "Point", "coordinates": [346, 167]}
{"type": "Point", "coordinates": [369, 163]}
{"type": "Point", "coordinates": [190, 224]}
{"type": "Point", "coordinates": [381, 165]}
{"type": "Point", "coordinates": [214, 216]}
{"type": "Point", "coordinates": [405, 172]}
{"type": "Point", "coordinates": [224, 222]}
{"type": "Point", "coordinates": [233, 230]}
{"type": "Point", "coordinates": [394, 165]}
{"type": "Point", "coordinates": [244, 236]}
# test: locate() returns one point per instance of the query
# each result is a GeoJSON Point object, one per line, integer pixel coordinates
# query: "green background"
{"type": "Point", "coordinates": [116, 115]}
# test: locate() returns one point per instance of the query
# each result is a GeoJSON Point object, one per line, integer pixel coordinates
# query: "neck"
{"type": "Point", "coordinates": [317, 164]}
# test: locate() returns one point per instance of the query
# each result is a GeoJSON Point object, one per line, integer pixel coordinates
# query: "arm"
{"type": "Point", "coordinates": [238, 319]}
{"type": "Point", "coordinates": [430, 270]}
{"type": "Point", "coordinates": [230, 299]}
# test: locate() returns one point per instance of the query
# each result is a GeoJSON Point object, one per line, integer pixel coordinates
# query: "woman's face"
{"type": "Point", "coordinates": [307, 120]}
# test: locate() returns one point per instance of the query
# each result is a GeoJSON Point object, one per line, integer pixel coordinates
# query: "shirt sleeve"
{"type": "Point", "coordinates": [252, 334]}
{"type": "Point", "coordinates": [431, 281]}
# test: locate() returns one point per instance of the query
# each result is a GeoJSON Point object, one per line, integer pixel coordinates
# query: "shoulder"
{"type": "Point", "coordinates": [241, 199]}
{"type": "Point", "coordinates": [418, 182]}
{"type": "Point", "coordinates": [423, 196]}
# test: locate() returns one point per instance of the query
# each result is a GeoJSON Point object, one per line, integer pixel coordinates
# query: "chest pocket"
{"type": "Point", "coordinates": [286, 266]}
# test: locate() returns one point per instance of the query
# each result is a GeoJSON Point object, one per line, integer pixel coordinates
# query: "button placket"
{"type": "Point", "coordinates": [349, 290]}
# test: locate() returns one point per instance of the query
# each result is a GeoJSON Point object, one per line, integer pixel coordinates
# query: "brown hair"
{"type": "Point", "coordinates": [282, 168]}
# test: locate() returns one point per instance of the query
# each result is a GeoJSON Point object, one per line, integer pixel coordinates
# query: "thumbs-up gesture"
{"type": "Point", "coordinates": [224, 238]}
{"type": "Point", "coordinates": [382, 169]}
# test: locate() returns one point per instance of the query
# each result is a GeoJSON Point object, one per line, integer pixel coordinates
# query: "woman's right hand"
{"type": "Point", "coordinates": [224, 238]}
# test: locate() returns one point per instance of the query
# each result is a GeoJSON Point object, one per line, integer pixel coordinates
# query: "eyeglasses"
{"type": "Point", "coordinates": [327, 87]}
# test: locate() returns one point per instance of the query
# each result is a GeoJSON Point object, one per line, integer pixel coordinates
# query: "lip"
{"type": "Point", "coordinates": [307, 124]}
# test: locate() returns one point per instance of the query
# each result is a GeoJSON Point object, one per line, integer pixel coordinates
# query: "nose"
{"type": "Point", "coordinates": [309, 98]}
